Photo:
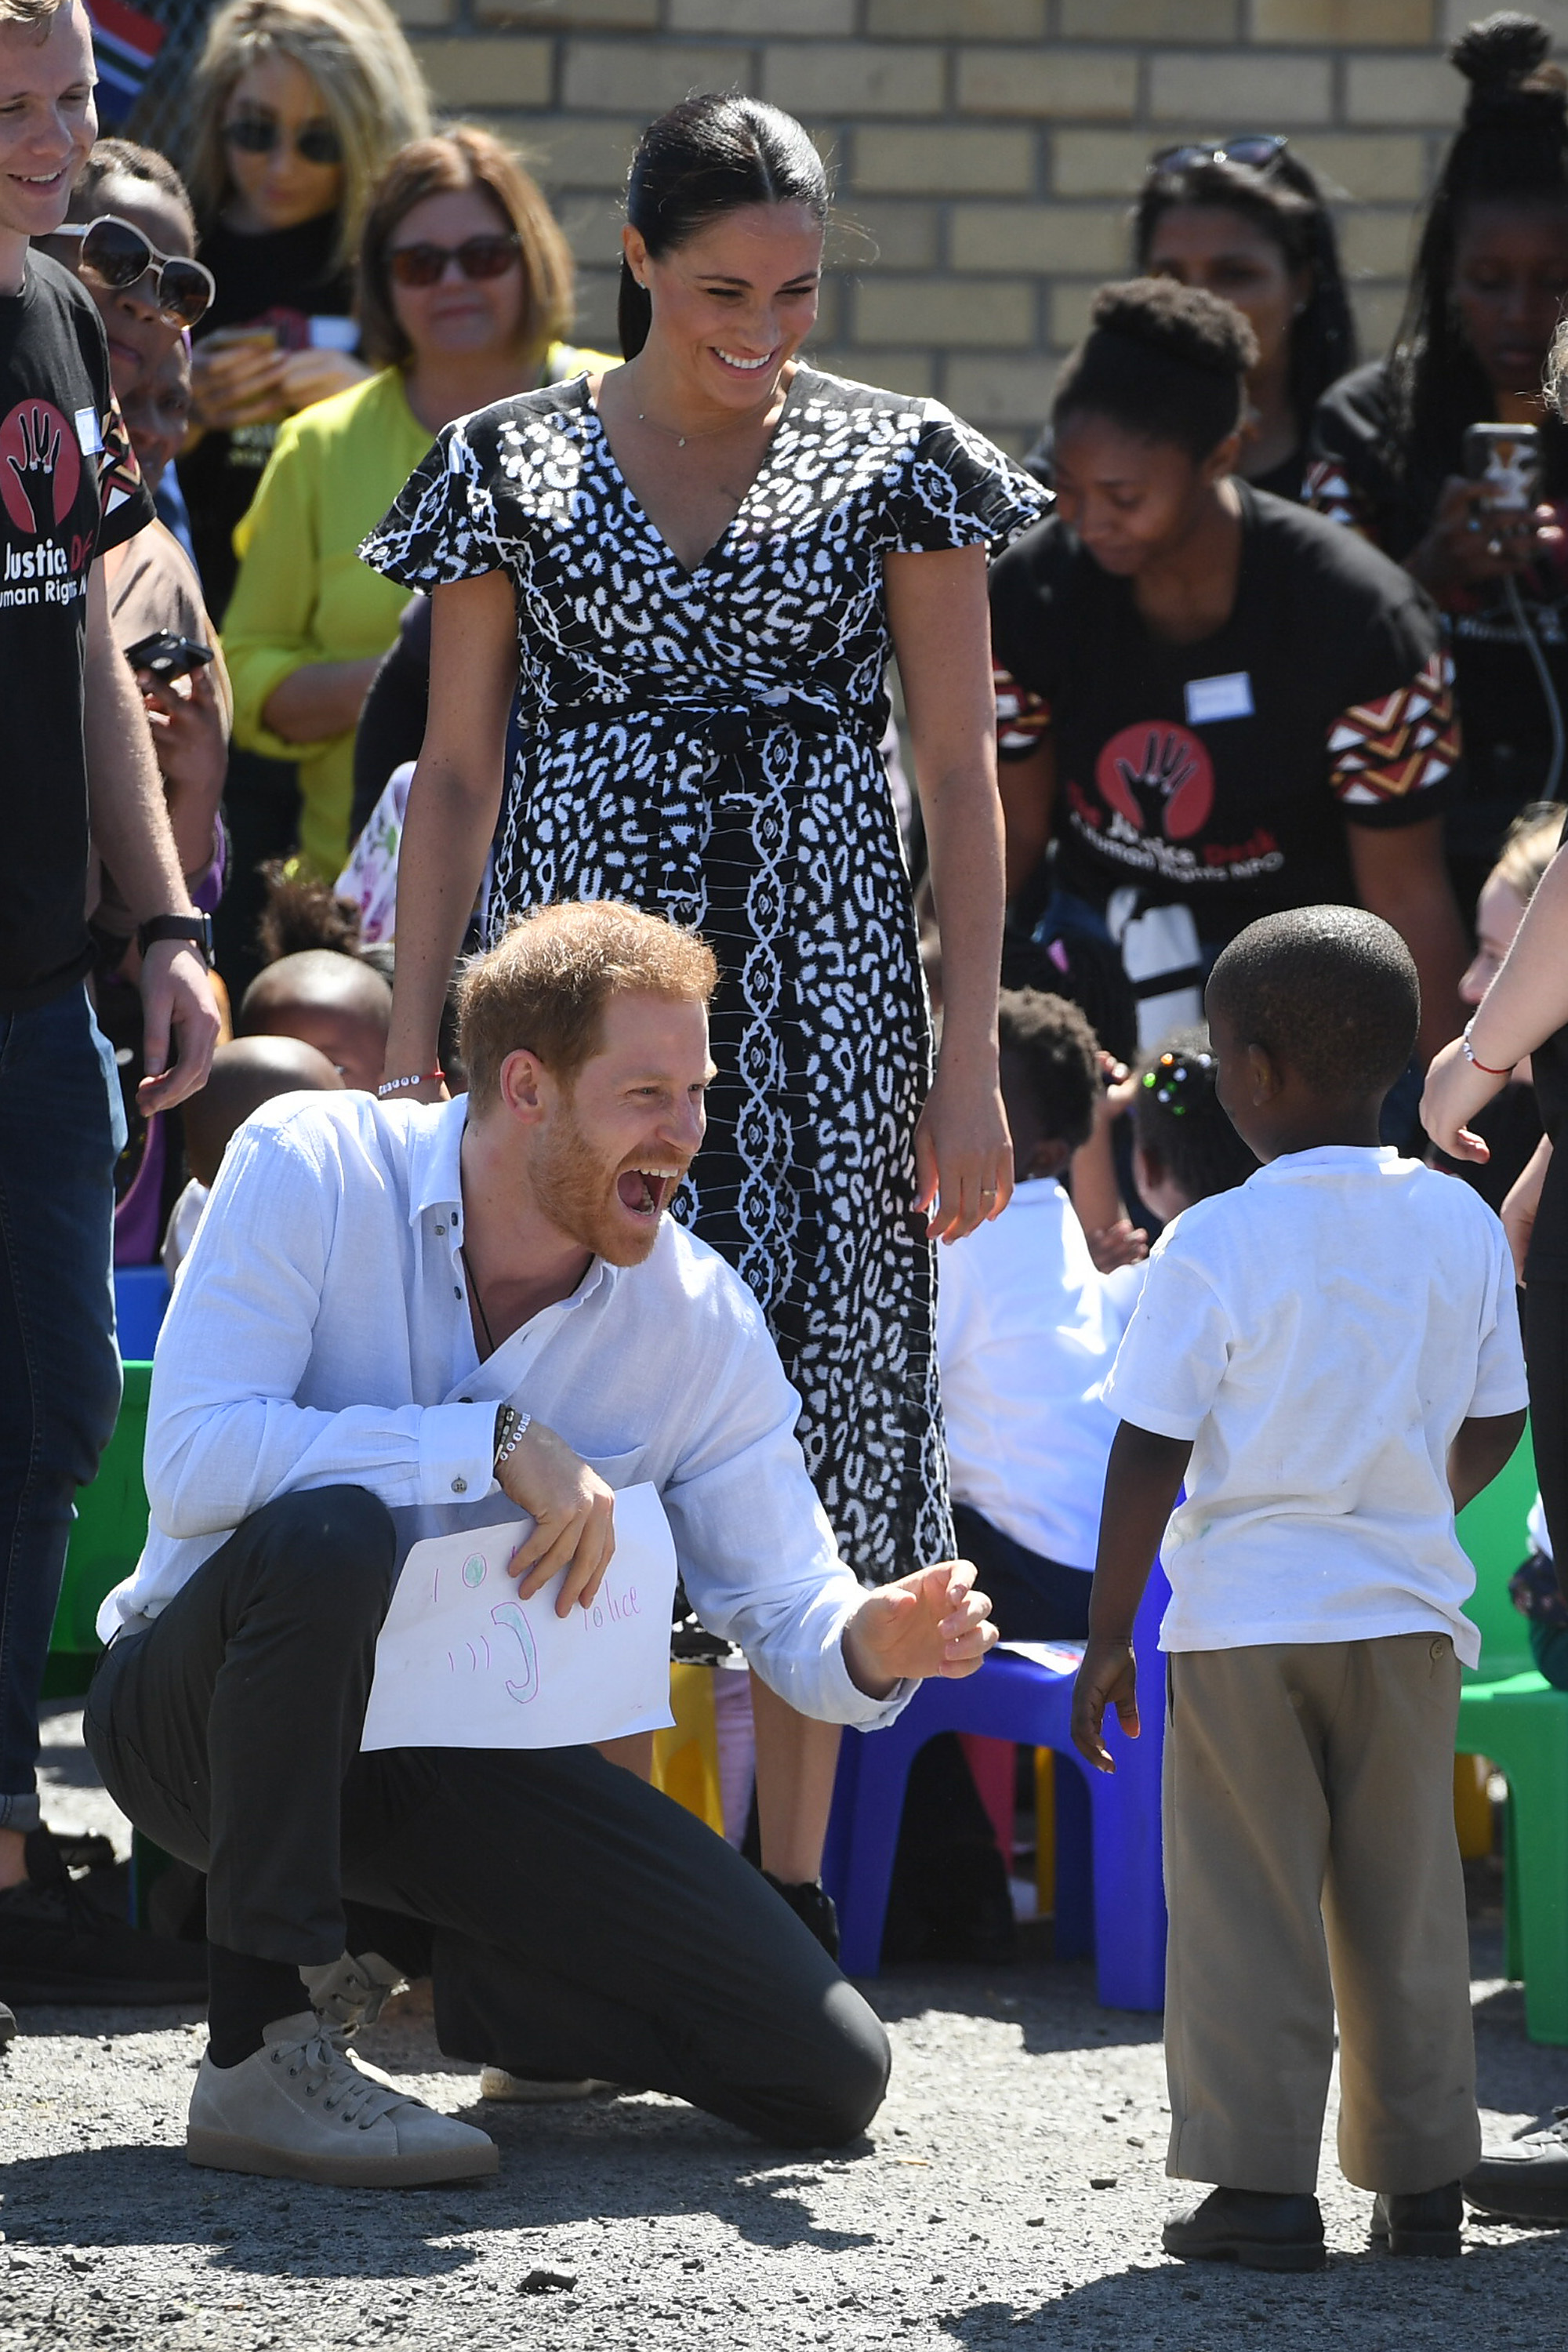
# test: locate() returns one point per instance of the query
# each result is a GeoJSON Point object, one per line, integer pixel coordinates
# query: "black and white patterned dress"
{"type": "Point", "coordinates": [705, 745]}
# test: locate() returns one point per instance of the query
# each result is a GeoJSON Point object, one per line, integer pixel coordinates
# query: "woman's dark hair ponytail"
{"type": "Point", "coordinates": [1511, 147]}
{"type": "Point", "coordinates": [708, 156]}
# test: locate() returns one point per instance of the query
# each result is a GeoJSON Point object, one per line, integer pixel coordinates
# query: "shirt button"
{"type": "Point", "coordinates": [440, 1229]}
{"type": "Point", "coordinates": [457, 1290]}
{"type": "Point", "coordinates": [460, 1486]}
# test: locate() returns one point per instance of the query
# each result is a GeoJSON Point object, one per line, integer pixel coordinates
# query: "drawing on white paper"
{"type": "Point", "coordinates": [463, 1661]}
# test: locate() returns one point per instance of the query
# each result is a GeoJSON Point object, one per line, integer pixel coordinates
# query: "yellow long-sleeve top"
{"type": "Point", "coordinates": [304, 596]}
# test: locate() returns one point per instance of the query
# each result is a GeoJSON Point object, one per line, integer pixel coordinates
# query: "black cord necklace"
{"type": "Point", "coordinates": [479, 1302]}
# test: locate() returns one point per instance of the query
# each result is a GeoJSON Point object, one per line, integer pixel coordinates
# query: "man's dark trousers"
{"type": "Point", "coordinates": [584, 1925]}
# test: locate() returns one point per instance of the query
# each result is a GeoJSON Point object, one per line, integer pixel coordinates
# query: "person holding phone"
{"type": "Point", "coordinates": [464, 294]}
{"type": "Point", "coordinates": [131, 241]}
{"type": "Point", "coordinates": [1212, 704]}
{"type": "Point", "coordinates": [1407, 450]}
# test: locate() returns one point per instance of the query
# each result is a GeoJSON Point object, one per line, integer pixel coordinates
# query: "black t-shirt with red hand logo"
{"type": "Point", "coordinates": [1220, 774]}
{"type": "Point", "coordinates": [69, 488]}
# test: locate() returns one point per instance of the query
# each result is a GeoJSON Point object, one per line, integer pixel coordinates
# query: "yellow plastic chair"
{"type": "Point", "coordinates": [686, 1757]}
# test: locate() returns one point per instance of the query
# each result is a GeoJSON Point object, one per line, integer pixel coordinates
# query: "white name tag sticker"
{"type": "Point", "coordinates": [1229, 697]}
{"type": "Point", "coordinates": [88, 432]}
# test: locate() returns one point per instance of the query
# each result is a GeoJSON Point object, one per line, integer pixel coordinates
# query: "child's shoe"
{"type": "Point", "coordinates": [1259, 2229]}
{"type": "Point", "coordinates": [1428, 2222]}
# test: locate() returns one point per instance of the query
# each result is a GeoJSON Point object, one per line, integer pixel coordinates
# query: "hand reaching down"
{"type": "Point", "coordinates": [573, 1514]}
{"type": "Point", "coordinates": [933, 1622]}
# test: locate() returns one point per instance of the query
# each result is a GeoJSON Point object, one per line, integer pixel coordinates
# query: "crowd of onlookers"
{"type": "Point", "coordinates": [1350, 579]}
{"type": "Point", "coordinates": [333, 279]}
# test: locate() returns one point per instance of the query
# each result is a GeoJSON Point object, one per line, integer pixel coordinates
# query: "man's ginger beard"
{"type": "Point", "coordinates": [575, 1187]}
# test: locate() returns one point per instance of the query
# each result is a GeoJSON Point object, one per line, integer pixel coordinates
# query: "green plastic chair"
{"type": "Point", "coordinates": [1512, 1715]}
{"type": "Point", "coordinates": [105, 1545]}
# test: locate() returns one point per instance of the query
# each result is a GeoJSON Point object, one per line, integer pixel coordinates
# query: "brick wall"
{"type": "Point", "coordinates": [985, 150]}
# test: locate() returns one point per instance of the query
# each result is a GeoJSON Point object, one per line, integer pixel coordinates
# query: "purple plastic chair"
{"type": "Point", "coordinates": [1110, 1895]}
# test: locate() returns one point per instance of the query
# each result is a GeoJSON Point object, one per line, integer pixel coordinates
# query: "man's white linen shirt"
{"type": "Point", "coordinates": [320, 1336]}
{"type": "Point", "coordinates": [1320, 1334]}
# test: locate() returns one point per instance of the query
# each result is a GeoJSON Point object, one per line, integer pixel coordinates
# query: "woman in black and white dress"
{"type": "Point", "coordinates": [695, 568]}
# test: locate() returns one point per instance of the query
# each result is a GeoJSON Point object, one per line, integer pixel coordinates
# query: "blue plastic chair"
{"type": "Point", "coordinates": [140, 1299]}
{"type": "Point", "coordinates": [1110, 1895]}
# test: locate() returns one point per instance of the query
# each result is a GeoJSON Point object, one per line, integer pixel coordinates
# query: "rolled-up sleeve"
{"type": "Point", "coordinates": [224, 1434]}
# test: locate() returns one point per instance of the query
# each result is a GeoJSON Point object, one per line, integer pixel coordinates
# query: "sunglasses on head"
{"type": "Point", "coordinates": [477, 257]}
{"type": "Point", "coordinates": [1257, 148]}
{"type": "Point", "coordinates": [259, 134]}
{"type": "Point", "coordinates": [116, 256]}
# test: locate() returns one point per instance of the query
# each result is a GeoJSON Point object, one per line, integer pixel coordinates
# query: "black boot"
{"type": "Point", "coordinates": [61, 1942]}
{"type": "Point", "coordinates": [1259, 2228]}
{"type": "Point", "coordinates": [1426, 2221]}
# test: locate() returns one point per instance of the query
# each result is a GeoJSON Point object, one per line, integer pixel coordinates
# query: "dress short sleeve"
{"type": "Point", "coordinates": [958, 490]}
{"type": "Point", "coordinates": [442, 526]}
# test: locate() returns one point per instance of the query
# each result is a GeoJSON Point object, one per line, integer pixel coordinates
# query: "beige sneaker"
{"type": "Point", "coordinates": [495, 2082]}
{"type": "Point", "coordinates": [302, 2108]}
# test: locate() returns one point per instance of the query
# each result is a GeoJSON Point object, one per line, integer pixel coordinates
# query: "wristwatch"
{"type": "Point", "coordinates": [196, 928]}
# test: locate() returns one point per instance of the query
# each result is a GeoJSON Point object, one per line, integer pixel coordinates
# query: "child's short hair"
{"type": "Point", "coordinates": [1057, 1055]}
{"type": "Point", "coordinates": [1328, 992]}
{"type": "Point", "coordinates": [1178, 1122]}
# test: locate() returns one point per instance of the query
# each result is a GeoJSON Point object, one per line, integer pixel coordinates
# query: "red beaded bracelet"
{"type": "Point", "coordinates": [1474, 1058]}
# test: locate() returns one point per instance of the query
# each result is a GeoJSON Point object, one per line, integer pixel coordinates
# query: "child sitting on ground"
{"type": "Point", "coordinates": [335, 1002]}
{"type": "Point", "coordinates": [1329, 1357]}
{"type": "Point", "coordinates": [245, 1074]}
{"type": "Point", "coordinates": [1026, 1326]}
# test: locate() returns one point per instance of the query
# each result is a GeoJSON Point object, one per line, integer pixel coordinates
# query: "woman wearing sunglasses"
{"type": "Point", "coordinates": [465, 288]}
{"type": "Point", "coordinates": [298, 106]}
{"type": "Point", "coordinates": [1245, 219]}
{"type": "Point", "coordinates": [131, 242]}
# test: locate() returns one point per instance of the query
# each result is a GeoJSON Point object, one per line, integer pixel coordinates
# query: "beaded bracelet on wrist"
{"type": "Point", "coordinates": [401, 1085]}
{"type": "Point", "coordinates": [1474, 1059]}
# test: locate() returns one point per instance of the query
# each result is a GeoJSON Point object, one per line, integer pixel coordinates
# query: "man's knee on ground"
{"type": "Point", "coordinates": [848, 2079]}
{"type": "Point", "coordinates": [337, 1546]}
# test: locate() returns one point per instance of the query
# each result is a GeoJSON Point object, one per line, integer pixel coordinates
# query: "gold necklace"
{"type": "Point", "coordinates": [680, 439]}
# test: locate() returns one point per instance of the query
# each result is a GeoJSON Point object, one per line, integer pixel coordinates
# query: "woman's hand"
{"type": "Point", "coordinates": [1524, 1201]}
{"type": "Point", "coordinates": [309, 376]}
{"type": "Point", "coordinates": [1456, 1090]}
{"type": "Point", "coordinates": [237, 378]}
{"type": "Point", "coordinates": [963, 1153]}
{"type": "Point", "coordinates": [1470, 541]}
{"type": "Point", "coordinates": [931, 1624]}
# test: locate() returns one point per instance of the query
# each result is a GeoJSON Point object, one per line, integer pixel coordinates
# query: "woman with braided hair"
{"type": "Point", "coordinates": [1388, 442]}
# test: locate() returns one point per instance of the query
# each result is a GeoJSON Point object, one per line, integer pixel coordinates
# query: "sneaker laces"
{"type": "Point", "coordinates": [346, 2091]}
{"type": "Point", "coordinates": [352, 1992]}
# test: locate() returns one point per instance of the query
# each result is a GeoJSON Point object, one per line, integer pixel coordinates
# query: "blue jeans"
{"type": "Point", "coordinates": [61, 1129]}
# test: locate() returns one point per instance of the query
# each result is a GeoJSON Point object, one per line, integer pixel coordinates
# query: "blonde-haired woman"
{"type": "Point", "coordinates": [465, 290]}
{"type": "Point", "coordinates": [298, 105]}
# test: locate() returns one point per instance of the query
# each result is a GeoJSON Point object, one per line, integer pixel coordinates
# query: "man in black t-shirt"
{"type": "Point", "coordinates": [77, 753]}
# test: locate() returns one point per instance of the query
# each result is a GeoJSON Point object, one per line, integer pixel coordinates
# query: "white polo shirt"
{"type": "Point", "coordinates": [1320, 1334]}
{"type": "Point", "coordinates": [1026, 1329]}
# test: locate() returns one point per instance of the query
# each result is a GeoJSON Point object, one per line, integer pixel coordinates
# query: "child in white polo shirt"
{"type": "Point", "coordinates": [1329, 1357]}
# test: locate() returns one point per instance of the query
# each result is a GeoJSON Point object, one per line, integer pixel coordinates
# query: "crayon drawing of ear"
{"type": "Point", "coordinates": [511, 1616]}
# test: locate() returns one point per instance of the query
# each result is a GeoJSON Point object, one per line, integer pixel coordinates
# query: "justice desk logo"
{"type": "Point", "coordinates": [41, 456]}
{"type": "Point", "coordinates": [1159, 777]}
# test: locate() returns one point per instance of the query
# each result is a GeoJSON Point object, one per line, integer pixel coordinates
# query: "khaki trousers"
{"type": "Point", "coordinates": [1312, 1864]}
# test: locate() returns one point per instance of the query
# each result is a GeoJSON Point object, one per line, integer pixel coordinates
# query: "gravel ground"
{"type": "Point", "coordinates": [1010, 2193]}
